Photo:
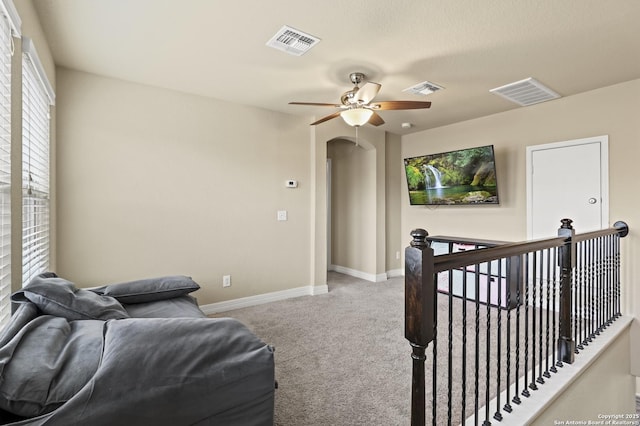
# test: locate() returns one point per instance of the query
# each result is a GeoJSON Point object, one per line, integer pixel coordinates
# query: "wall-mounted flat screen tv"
{"type": "Point", "coordinates": [465, 176]}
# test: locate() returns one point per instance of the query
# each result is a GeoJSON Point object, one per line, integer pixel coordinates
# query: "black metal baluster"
{"type": "Point", "coordinates": [609, 275]}
{"type": "Point", "coordinates": [540, 379]}
{"type": "Point", "coordinates": [434, 363]}
{"type": "Point", "coordinates": [549, 309]}
{"type": "Point", "coordinates": [585, 295]}
{"type": "Point", "coordinates": [596, 289]}
{"type": "Point", "coordinates": [607, 279]}
{"type": "Point", "coordinates": [554, 283]}
{"type": "Point", "coordinates": [516, 396]}
{"type": "Point", "coordinates": [603, 285]}
{"type": "Point", "coordinates": [616, 278]}
{"type": "Point", "coordinates": [477, 347]}
{"type": "Point", "coordinates": [534, 285]}
{"type": "Point", "coordinates": [612, 274]}
{"type": "Point", "coordinates": [507, 406]}
{"type": "Point", "coordinates": [488, 349]}
{"type": "Point", "coordinates": [525, 390]}
{"type": "Point", "coordinates": [592, 291]}
{"type": "Point", "coordinates": [579, 297]}
{"type": "Point", "coordinates": [464, 346]}
{"type": "Point", "coordinates": [577, 300]}
{"type": "Point", "coordinates": [560, 316]}
{"type": "Point", "coordinates": [586, 288]}
{"type": "Point", "coordinates": [617, 273]}
{"type": "Point", "coordinates": [600, 287]}
{"type": "Point", "coordinates": [579, 314]}
{"type": "Point", "coordinates": [603, 294]}
{"type": "Point", "coordinates": [623, 231]}
{"type": "Point", "coordinates": [497, 415]}
{"type": "Point", "coordinates": [612, 242]}
{"type": "Point", "coordinates": [450, 355]}
{"type": "Point", "coordinates": [604, 279]}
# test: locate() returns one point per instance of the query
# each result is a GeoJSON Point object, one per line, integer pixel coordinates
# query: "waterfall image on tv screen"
{"type": "Point", "coordinates": [466, 176]}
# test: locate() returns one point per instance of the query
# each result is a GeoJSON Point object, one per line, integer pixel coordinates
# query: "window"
{"type": "Point", "coordinates": [9, 22]}
{"type": "Point", "coordinates": [37, 97]}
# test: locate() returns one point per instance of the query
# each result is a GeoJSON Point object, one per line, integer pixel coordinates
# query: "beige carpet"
{"type": "Point", "coordinates": [342, 359]}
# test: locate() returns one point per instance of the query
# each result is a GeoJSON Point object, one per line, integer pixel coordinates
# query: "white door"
{"type": "Point", "coordinates": [567, 180]}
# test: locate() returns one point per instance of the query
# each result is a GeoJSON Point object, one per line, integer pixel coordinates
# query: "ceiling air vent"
{"type": "Point", "coordinates": [424, 88]}
{"type": "Point", "coordinates": [292, 41]}
{"type": "Point", "coordinates": [525, 92]}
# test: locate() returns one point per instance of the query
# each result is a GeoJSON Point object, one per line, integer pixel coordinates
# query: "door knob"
{"type": "Point", "coordinates": [592, 200]}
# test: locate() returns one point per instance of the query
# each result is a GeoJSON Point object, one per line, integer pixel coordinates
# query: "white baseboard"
{"type": "Point", "coordinates": [358, 274]}
{"type": "Point", "coordinates": [245, 302]}
{"type": "Point", "coordinates": [393, 273]}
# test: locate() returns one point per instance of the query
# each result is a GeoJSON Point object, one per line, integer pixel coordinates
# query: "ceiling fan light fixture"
{"type": "Point", "coordinates": [356, 116]}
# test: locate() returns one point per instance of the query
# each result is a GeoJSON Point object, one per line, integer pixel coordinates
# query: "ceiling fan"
{"type": "Point", "coordinates": [357, 108]}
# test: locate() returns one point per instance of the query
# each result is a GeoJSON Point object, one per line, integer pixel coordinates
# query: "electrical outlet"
{"type": "Point", "coordinates": [226, 281]}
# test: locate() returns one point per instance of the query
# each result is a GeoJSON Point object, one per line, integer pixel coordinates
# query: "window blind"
{"type": "Point", "coordinates": [36, 101]}
{"type": "Point", "coordinates": [5, 169]}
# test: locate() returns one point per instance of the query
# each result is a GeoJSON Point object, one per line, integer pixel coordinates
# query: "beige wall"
{"type": "Point", "coordinates": [395, 175]}
{"type": "Point", "coordinates": [31, 28]}
{"type": "Point", "coordinates": [155, 182]}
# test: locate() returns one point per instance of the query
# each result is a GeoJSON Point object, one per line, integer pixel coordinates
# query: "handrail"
{"type": "Point", "coordinates": [446, 262]}
{"type": "Point", "coordinates": [620, 227]}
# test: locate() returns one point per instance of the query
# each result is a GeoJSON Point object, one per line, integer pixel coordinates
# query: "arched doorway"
{"type": "Point", "coordinates": [373, 238]}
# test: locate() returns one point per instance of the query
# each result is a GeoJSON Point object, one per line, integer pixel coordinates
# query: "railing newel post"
{"type": "Point", "coordinates": [566, 262]}
{"type": "Point", "coordinates": [419, 315]}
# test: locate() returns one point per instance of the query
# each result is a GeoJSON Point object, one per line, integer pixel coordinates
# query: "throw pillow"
{"type": "Point", "coordinates": [150, 289]}
{"type": "Point", "coordinates": [59, 297]}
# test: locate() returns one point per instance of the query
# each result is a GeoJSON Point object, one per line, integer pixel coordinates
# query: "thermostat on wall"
{"type": "Point", "coordinates": [292, 183]}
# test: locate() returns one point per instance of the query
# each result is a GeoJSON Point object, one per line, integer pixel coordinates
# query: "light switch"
{"type": "Point", "coordinates": [282, 215]}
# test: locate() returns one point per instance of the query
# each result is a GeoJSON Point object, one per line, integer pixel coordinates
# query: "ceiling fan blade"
{"type": "Point", "coordinates": [327, 118]}
{"type": "Point", "coordinates": [367, 92]}
{"type": "Point", "coordinates": [315, 104]}
{"type": "Point", "coordinates": [375, 119]}
{"type": "Point", "coordinates": [388, 105]}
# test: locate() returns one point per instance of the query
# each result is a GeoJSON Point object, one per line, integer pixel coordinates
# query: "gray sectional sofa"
{"type": "Point", "coordinates": [135, 353]}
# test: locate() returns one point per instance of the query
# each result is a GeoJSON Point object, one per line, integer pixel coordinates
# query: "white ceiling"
{"type": "Point", "coordinates": [217, 49]}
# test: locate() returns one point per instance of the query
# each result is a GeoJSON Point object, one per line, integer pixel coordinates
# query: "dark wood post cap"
{"type": "Point", "coordinates": [419, 238]}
